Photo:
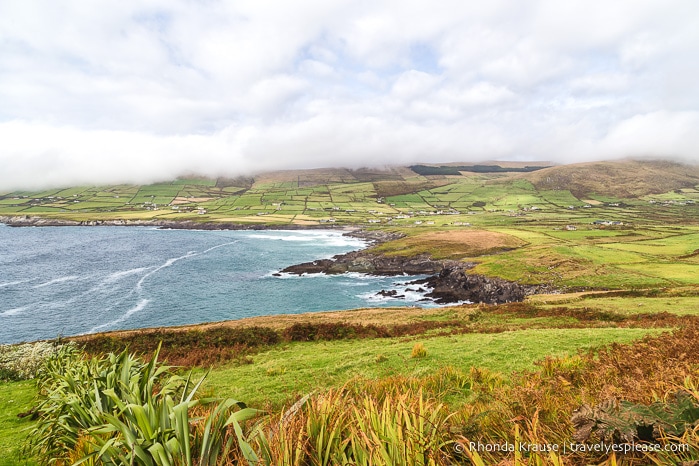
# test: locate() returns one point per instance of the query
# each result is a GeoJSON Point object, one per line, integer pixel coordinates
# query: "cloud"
{"type": "Point", "coordinates": [671, 133]}
{"type": "Point", "coordinates": [138, 91]}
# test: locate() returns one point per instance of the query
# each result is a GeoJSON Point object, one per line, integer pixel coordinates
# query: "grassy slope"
{"type": "Point", "coordinates": [284, 373]}
{"type": "Point", "coordinates": [281, 373]}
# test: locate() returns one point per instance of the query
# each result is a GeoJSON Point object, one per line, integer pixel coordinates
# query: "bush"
{"type": "Point", "coordinates": [119, 409]}
{"type": "Point", "coordinates": [188, 348]}
{"type": "Point", "coordinates": [340, 427]}
{"type": "Point", "coordinates": [419, 351]}
{"type": "Point", "coordinates": [22, 362]}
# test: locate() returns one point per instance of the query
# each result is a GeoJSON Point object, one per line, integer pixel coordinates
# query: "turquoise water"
{"type": "Point", "coordinates": [73, 280]}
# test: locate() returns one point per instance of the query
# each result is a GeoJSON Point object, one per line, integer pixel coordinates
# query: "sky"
{"type": "Point", "coordinates": [135, 91]}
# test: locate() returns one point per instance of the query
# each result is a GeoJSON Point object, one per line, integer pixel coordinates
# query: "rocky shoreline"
{"type": "Point", "coordinates": [372, 264]}
{"type": "Point", "coordinates": [449, 282]}
{"type": "Point", "coordinates": [454, 284]}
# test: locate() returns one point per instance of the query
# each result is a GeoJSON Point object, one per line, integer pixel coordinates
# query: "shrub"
{"type": "Point", "coordinates": [380, 358]}
{"type": "Point", "coordinates": [195, 347]}
{"type": "Point", "coordinates": [342, 427]}
{"type": "Point", "coordinates": [21, 362]}
{"type": "Point", "coordinates": [119, 409]}
{"type": "Point", "coordinates": [419, 351]}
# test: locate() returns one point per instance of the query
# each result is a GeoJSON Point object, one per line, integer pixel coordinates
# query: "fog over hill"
{"type": "Point", "coordinates": [136, 92]}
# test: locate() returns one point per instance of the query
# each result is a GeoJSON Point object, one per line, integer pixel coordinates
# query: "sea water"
{"type": "Point", "coordinates": [74, 280]}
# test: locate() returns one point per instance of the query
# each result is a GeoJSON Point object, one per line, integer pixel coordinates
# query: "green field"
{"type": "Point", "coordinates": [286, 373]}
{"type": "Point", "coordinates": [395, 199]}
{"type": "Point", "coordinates": [15, 398]}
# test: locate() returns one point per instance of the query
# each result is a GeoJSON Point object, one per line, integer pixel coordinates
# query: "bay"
{"type": "Point", "coordinates": [75, 280]}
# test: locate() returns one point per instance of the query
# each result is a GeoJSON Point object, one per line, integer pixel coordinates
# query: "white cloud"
{"type": "Point", "coordinates": [138, 91]}
{"type": "Point", "coordinates": [662, 132]}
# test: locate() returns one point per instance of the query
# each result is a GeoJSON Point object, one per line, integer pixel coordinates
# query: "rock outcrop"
{"type": "Point", "coordinates": [373, 264]}
{"type": "Point", "coordinates": [454, 284]}
{"type": "Point", "coordinates": [449, 282]}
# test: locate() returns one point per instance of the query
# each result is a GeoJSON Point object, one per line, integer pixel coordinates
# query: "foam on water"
{"type": "Point", "coordinates": [405, 292]}
{"type": "Point", "coordinates": [281, 237]}
{"type": "Point", "coordinates": [56, 280]}
{"type": "Point", "coordinates": [167, 263]}
{"type": "Point", "coordinates": [17, 282]}
{"type": "Point", "coordinates": [336, 239]}
{"type": "Point", "coordinates": [15, 311]}
{"type": "Point", "coordinates": [124, 273]}
{"type": "Point", "coordinates": [138, 307]}
{"type": "Point", "coordinates": [214, 247]}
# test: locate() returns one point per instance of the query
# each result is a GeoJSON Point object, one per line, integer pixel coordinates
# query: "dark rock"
{"type": "Point", "coordinates": [454, 284]}
{"type": "Point", "coordinates": [390, 294]}
{"type": "Point", "coordinates": [373, 264]}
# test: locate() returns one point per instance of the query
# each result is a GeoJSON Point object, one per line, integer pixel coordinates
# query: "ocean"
{"type": "Point", "coordinates": [62, 281]}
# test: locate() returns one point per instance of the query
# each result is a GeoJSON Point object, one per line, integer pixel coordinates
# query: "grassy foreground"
{"type": "Point", "coordinates": [477, 360]}
{"type": "Point", "coordinates": [293, 370]}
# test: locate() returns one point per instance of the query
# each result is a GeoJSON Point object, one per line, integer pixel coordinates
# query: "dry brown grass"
{"type": "Point", "coordinates": [641, 372]}
{"type": "Point", "coordinates": [307, 177]}
{"type": "Point", "coordinates": [369, 316]}
{"type": "Point", "coordinates": [187, 200]}
{"type": "Point", "coordinates": [454, 244]}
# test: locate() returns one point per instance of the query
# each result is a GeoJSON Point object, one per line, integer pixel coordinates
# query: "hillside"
{"type": "Point", "coordinates": [391, 196]}
{"type": "Point", "coordinates": [622, 179]}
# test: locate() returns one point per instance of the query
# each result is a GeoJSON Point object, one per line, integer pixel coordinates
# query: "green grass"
{"type": "Point", "coordinates": [280, 374]}
{"type": "Point", "coordinates": [680, 305]}
{"type": "Point", "coordinates": [672, 273]}
{"type": "Point", "coordinates": [670, 246]}
{"type": "Point", "coordinates": [15, 398]}
{"type": "Point", "coordinates": [504, 197]}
